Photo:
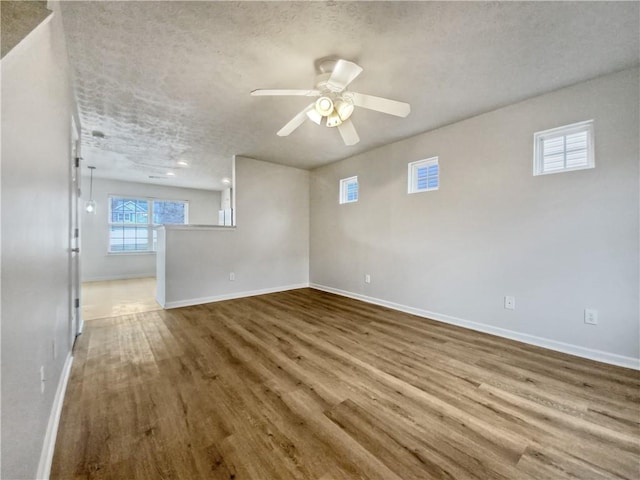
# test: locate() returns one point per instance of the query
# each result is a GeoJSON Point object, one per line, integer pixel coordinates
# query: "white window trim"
{"type": "Point", "coordinates": [539, 137]}
{"type": "Point", "coordinates": [150, 226]}
{"type": "Point", "coordinates": [412, 181]}
{"type": "Point", "coordinates": [344, 183]}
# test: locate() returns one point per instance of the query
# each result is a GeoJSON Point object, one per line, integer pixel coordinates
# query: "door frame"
{"type": "Point", "coordinates": [76, 322]}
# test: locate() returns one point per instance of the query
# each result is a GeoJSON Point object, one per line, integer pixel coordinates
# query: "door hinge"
{"type": "Point", "coordinates": [76, 233]}
{"type": "Point", "coordinates": [76, 303]}
{"type": "Point", "coordinates": [77, 164]}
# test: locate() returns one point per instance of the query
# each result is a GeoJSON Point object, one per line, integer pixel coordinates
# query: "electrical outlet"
{"type": "Point", "coordinates": [367, 278]}
{"type": "Point", "coordinates": [590, 316]}
{"type": "Point", "coordinates": [510, 302]}
{"type": "Point", "coordinates": [42, 379]}
{"type": "Point", "coordinates": [232, 277]}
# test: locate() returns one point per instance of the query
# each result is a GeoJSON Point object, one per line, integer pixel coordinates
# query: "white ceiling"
{"type": "Point", "coordinates": [169, 81]}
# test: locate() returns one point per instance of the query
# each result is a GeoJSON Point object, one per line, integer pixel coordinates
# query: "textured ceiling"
{"type": "Point", "coordinates": [170, 81]}
{"type": "Point", "coordinates": [17, 19]}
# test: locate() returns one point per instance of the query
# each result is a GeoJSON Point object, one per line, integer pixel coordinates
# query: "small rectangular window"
{"type": "Point", "coordinates": [424, 175]}
{"type": "Point", "coordinates": [563, 149]}
{"type": "Point", "coordinates": [349, 190]}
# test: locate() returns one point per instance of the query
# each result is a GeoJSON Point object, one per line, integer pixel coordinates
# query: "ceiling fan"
{"type": "Point", "coordinates": [335, 104]}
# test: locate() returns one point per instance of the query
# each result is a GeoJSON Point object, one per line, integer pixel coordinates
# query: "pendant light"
{"type": "Point", "coordinates": [90, 206]}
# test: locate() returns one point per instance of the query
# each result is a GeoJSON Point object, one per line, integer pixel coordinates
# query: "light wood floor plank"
{"type": "Point", "coordinates": [309, 385]}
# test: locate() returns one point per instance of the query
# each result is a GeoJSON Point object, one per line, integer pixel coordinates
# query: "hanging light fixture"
{"type": "Point", "coordinates": [90, 206]}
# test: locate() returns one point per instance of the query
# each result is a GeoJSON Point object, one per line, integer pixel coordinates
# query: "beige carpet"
{"type": "Point", "coordinates": [118, 297]}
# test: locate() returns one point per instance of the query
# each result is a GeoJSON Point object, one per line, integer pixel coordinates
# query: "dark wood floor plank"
{"type": "Point", "coordinates": [309, 385]}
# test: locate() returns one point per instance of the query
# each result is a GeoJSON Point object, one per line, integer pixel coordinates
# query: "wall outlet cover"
{"type": "Point", "coordinates": [590, 316]}
{"type": "Point", "coordinates": [510, 302]}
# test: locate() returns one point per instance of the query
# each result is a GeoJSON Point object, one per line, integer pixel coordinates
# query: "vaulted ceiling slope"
{"type": "Point", "coordinates": [17, 20]}
{"type": "Point", "coordinates": [170, 81]}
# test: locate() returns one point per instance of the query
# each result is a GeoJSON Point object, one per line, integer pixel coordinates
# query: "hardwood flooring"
{"type": "Point", "coordinates": [309, 385]}
{"type": "Point", "coordinates": [112, 298]}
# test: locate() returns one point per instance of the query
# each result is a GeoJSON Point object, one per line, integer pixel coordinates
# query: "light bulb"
{"type": "Point", "coordinates": [90, 207]}
{"type": "Point", "coordinates": [324, 106]}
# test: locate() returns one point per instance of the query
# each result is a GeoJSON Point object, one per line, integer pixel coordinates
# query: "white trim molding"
{"type": "Point", "coordinates": [46, 456]}
{"type": "Point", "coordinates": [231, 296]}
{"type": "Point", "coordinates": [591, 354]}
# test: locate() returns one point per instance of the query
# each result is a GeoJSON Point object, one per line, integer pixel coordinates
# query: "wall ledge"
{"type": "Point", "coordinates": [578, 351]}
{"type": "Point", "coordinates": [198, 227]}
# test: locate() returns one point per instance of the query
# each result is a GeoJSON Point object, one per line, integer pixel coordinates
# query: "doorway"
{"type": "Point", "coordinates": [112, 298]}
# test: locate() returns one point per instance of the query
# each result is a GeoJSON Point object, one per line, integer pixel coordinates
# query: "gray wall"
{"type": "Point", "coordinates": [36, 159]}
{"type": "Point", "coordinates": [96, 263]}
{"type": "Point", "coordinates": [268, 250]}
{"type": "Point", "coordinates": [558, 243]}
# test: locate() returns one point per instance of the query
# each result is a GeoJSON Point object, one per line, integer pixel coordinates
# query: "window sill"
{"type": "Point", "coordinates": [126, 254]}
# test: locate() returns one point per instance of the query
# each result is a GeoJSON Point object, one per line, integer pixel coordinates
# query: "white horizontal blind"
{"type": "Point", "coordinates": [563, 149]}
{"type": "Point", "coordinates": [352, 192]}
{"type": "Point", "coordinates": [566, 151]}
{"type": "Point", "coordinates": [424, 175]}
{"type": "Point", "coordinates": [349, 190]}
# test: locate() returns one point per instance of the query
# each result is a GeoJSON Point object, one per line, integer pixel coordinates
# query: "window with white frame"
{"type": "Point", "coordinates": [424, 175]}
{"type": "Point", "coordinates": [349, 190]}
{"type": "Point", "coordinates": [563, 149]}
{"type": "Point", "coordinates": [131, 221]}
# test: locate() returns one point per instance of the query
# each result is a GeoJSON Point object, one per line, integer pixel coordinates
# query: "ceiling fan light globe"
{"type": "Point", "coordinates": [334, 120]}
{"type": "Point", "coordinates": [344, 109]}
{"type": "Point", "coordinates": [324, 106]}
{"type": "Point", "coordinates": [314, 116]}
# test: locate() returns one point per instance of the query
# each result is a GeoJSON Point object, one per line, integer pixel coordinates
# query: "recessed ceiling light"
{"type": "Point", "coordinates": [226, 180]}
{"type": "Point", "coordinates": [182, 163]}
{"type": "Point", "coordinates": [171, 174]}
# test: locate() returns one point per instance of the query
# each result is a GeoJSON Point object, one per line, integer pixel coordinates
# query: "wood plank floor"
{"type": "Point", "coordinates": [309, 385]}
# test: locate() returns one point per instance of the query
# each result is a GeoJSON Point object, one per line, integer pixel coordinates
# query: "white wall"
{"type": "Point", "coordinates": [36, 159]}
{"type": "Point", "coordinates": [268, 250]}
{"type": "Point", "coordinates": [96, 263]}
{"type": "Point", "coordinates": [558, 243]}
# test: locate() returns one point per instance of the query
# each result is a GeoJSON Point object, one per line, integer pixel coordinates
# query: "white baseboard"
{"type": "Point", "coordinates": [129, 276]}
{"type": "Point", "coordinates": [46, 456]}
{"type": "Point", "coordinates": [598, 355]}
{"type": "Point", "coordinates": [231, 296]}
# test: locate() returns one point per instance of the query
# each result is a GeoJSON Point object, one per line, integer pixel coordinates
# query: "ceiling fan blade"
{"type": "Point", "coordinates": [348, 132]}
{"type": "Point", "coordinates": [379, 104]}
{"type": "Point", "coordinates": [271, 93]}
{"type": "Point", "coordinates": [295, 122]}
{"type": "Point", "coordinates": [344, 72]}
